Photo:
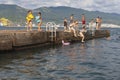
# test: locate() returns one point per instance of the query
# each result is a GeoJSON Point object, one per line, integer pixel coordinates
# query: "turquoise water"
{"type": "Point", "coordinates": [97, 59]}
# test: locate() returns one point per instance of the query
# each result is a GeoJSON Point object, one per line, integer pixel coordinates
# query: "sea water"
{"type": "Point", "coordinates": [97, 59]}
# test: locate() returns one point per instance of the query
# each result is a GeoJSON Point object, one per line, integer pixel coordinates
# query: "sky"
{"type": "Point", "coordinates": [109, 6]}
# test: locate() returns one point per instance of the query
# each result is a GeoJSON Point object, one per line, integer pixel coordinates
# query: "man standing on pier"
{"type": "Point", "coordinates": [83, 21]}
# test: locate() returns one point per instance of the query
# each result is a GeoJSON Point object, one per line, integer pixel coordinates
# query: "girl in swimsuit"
{"type": "Point", "coordinates": [29, 18]}
{"type": "Point", "coordinates": [39, 21]}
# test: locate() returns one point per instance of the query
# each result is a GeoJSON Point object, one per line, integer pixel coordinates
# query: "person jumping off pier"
{"type": "Point", "coordinates": [72, 29]}
{"type": "Point", "coordinates": [81, 34]}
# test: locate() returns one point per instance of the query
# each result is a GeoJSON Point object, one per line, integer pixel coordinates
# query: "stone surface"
{"type": "Point", "coordinates": [5, 42]}
{"type": "Point", "coordinates": [13, 39]}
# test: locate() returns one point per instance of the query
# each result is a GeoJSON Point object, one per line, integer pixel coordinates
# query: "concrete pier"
{"type": "Point", "coordinates": [11, 40]}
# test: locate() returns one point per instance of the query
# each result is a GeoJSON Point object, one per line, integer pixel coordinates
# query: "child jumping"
{"type": "Point", "coordinates": [81, 34]}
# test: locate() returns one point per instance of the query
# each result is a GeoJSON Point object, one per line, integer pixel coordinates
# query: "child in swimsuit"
{"type": "Point", "coordinates": [39, 21]}
{"type": "Point", "coordinates": [29, 18]}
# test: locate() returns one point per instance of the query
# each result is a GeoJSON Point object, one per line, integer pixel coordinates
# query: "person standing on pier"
{"type": "Point", "coordinates": [71, 21]}
{"type": "Point", "coordinates": [83, 21]}
{"type": "Point", "coordinates": [65, 25]}
{"type": "Point", "coordinates": [91, 24]}
{"type": "Point", "coordinates": [72, 18]}
{"type": "Point", "coordinates": [97, 23]}
{"type": "Point", "coordinates": [29, 18]}
{"type": "Point", "coordinates": [38, 19]}
{"type": "Point", "coordinates": [77, 26]}
{"type": "Point", "coordinates": [91, 27]}
{"type": "Point", "coordinates": [100, 22]}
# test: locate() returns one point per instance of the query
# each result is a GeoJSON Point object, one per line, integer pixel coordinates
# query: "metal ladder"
{"type": "Point", "coordinates": [92, 30]}
{"type": "Point", "coordinates": [51, 26]}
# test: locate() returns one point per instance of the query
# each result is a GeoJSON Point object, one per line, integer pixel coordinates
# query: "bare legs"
{"type": "Point", "coordinates": [39, 26]}
{"type": "Point", "coordinates": [83, 37]}
{"type": "Point", "coordinates": [29, 26]}
{"type": "Point", "coordinates": [74, 32]}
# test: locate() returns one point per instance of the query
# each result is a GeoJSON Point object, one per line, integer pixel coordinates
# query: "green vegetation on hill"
{"type": "Point", "coordinates": [57, 14]}
{"type": "Point", "coordinates": [17, 14]}
{"type": "Point", "coordinates": [13, 13]}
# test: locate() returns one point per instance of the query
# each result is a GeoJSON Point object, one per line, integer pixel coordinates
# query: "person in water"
{"type": "Point", "coordinates": [81, 34]}
{"type": "Point", "coordinates": [65, 24]}
{"type": "Point", "coordinates": [38, 19]}
{"type": "Point", "coordinates": [29, 19]}
{"type": "Point", "coordinates": [83, 20]}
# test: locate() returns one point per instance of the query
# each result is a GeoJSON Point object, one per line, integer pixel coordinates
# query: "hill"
{"type": "Point", "coordinates": [12, 12]}
{"type": "Point", "coordinates": [57, 14]}
{"type": "Point", "coordinates": [17, 14]}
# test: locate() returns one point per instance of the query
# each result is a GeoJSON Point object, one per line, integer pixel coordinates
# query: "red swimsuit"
{"type": "Point", "coordinates": [83, 22]}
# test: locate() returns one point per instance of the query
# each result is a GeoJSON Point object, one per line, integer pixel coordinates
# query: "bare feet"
{"type": "Point", "coordinates": [82, 41]}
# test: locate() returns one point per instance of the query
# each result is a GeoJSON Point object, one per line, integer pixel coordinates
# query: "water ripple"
{"type": "Point", "coordinates": [97, 59]}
